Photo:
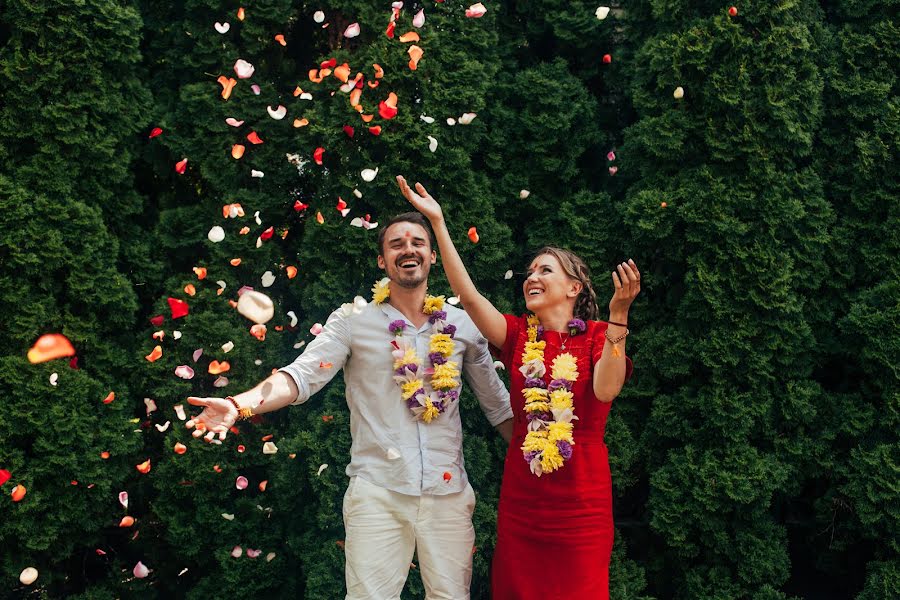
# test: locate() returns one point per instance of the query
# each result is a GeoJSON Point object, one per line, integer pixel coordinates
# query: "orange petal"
{"type": "Point", "coordinates": [291, 272]}
{"type": "Point", "coordinates": [50, 346]}
{"type": "Point", "coordinates": [240, 14]}
{"type": "Point", "coordinates": [237, 151]}
{"type": "Point", "coordinates": [280, 39]}
{"type": "Point", "coordinates": [391, 100]}
{"type": "Point", "coordinates": [342, 72]}
{"type": "Point", "coordinates": [301, 122]}
{"type": "Point", "coordinates": [201, 272]}
{"type": "Point", "coordinates": [190, 290]}
{"type": "Point", "coordinates": [376, 130]}
{"type": "Point", "coordinates": [367, 118]}
{"type": "Point", "coordinates": [216, 367]}
{"type": "Point", "coordinates": [104, 455]}
{"type": "Point", "coordinates": [254, 138]}
{"type": "Point", "coordinates": [355, 96]}
{"type": "Point", "coordinates": [179, 448]}
{"type": "Point", "coordinates": [144, 467]}
{"type": "Point", "coordinates": [319, 217]}
{"type": "Point", "coordinates": [155, 354]}
{"type": "Point", "coordinates": [127, 521]}
{"type": "Point", "coordinates": [326, 365]}
{"type": "Point", "coordinates": [379, 72]}
{"type": "Point", "coordinates": [159, 335]}
{"type": "Point", "coordinates": [18, 493]}
{"type": "Point", "coordinates": [235, 262]}
{"type": "Point", "coordinates": [258, 331]}
{"type": "Point", "coordinates": [109, 398]}
{"type": "Point", "coordinates": [411, 36]}
{"type": "Point", "coordinates": [373, 84]}
{"type": "Point", "coordinates": [473, 235]}
{"type": "Point", "coordinates": [227, 84]}
{"type": "Point", "coordinates": [263, 484]}
{"type": "Point", "coordinates": [244, 230]}
{"type": "Point", "coordinates": [415, 54]}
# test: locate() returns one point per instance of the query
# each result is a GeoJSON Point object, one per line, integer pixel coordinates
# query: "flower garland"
{"type": "Point", "coordinates": [548, 408]}
{"type": "Point", "coordinates": [444, 373]}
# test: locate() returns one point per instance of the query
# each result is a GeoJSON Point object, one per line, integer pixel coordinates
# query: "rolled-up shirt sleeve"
{"type": "Point", "coordinates": [478, 367]}
{"type": "Point", "coordinates": [323, 357]}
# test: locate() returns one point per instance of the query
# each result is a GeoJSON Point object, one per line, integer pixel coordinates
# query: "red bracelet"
{"type": "Point", "coordinates": [619, 324]}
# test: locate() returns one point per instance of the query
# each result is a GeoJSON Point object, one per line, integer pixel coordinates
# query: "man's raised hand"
{"type": "Point", "coordinates": [217, 417]}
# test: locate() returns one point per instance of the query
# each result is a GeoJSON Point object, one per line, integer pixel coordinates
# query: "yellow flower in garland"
{"type": "Point", "coordinates": [430, 413]}
{"type": "Point", "coordinates": [533, 351]}
{"type": "Point", "coordinates": [560, 431]}
{"type": "Point", "coordinates": [409, 358]}
{"type": "Point", "coordinates": [381, 291]}
{"type": "Point", "coordinates": [537, 407]}
{"type": "Point", "coordinates": [443, 343]}
{"type": "Point", "coordinates": [411, 387]}
{"type": "Point", "coordinates": [565, 367]}
{"type": "Point", "coordinates": [551, 459]}
{"type": "Point", "coordinates": [561, 399]}
{"type": "Point", "coordinates": [432, 304]}
{"type": "Point", "coordinates": [535, 441]}
{"type": "Point", "coordinates": [534, 395]}
{"type": "Point", "coordinates": [444, 376]}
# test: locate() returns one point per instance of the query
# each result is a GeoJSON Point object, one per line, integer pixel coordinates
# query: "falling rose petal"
{"type": "Point", "coordinates": [473, 235]}
{"type": "Point", "coordinates": [237, 151]}
{"type": "Point", "coordinates": [190, 290]}
{"type": "Point", "coordinates": [321, 468]}
{"type": "Point", "coordinates": [50, 346]}
{"type": "Point", "coordinates": [280, 39]}
{"type": "Point", "coordinates": [368, 174]}
{"type": "Point", "coordinates": [197, 354]}
{"type": "Point", "coordinates": [216, 234]}
{"type": "Point", "coordinates": [163, 427]}
{"type": "Point", "coordinates": [256, 306]}
{"type": "Point", "coordinates": [179, 448]}
{"type": "Point", "coordinates": [269, 448]}
{"type": "Point", "coordinates": [254, 138]}
{"type": "Point", "coordinates": [259, 332]}
{"type": "Point", "coordinates": [386, 111]}
{"type": "Point", "coordinates": [228, 516]}
{"type": "Point", "coordinates": [144, 467]}
{"type": "Point", "coordinates": [253, 553]}
{"type": "Point", "coordinates": [349, 131]}
{"type": "Point", "coordinates": [54, 379]}
{"type": "Point", "coordinates": [610, 155]}
{"type": "Point", "coordinates": [410, 36]}
{"type": "Point", "coordinates": [222, 27]}
{"type": "Point", "coordinates": [454, 300]}
{"type": "Point", "coordinates": [607, 58]}
{"type": "Point", "coordinates": [155, 354]}
{"type": "Point", "coordinates": [733, 11]}
{"type": "Point", "coordinates": [257, 174]}
{"type": "Point", "coordinates": [267, 279]}
{"type": "Point", "coordinates": [467, 118]}
{"type": "Point", "coordinates": [523, 194]}
{"type": "Point", "coordinates": [127, 521]}
{"type": "Point", "coordinates": [613, 170]}
{"type": "Point", "coordinates": [176, 334]}
{"type": "Point", "coordinates": [243, 69]}
{"type": "Point", "coordinates": [241, 448]}
{"type": "Point", "coordinates": [140, 570]}
{"type": "Point", "coordinates": [100, 552]}
{"type": "Point", "coordinates": [451, 121]}
{"type": "Point", "coordinates": [602, 11]}
{"type": "Point", "coordinates": [319, 218]}
{"type": "Point", "coordinates": [200, 272]}
{"type": "Point", "coordinates": [508, 274]}
{"type": "Point", "coordinates": [316, 329]}
{"type": "Point", "coordinates": [277, 113]}
{"type": "Point", "coordinates": [291, 271]}
{"type": "Point", "coordinates": [227, 84]}
{"type": "Point", "coordinates": [217, 368]}
{"type": "Point", "coordinates": [241, 482]}
{"type": "Point", "coordinates": [317, 155]}
{"type": "Point", "coordinates": [179, 411]}
{"type": "Point", "coordinates": [221, 381]}
{"type": "Point", "coordinates": [18, 493]}
{"type": "Point", "coordinates": [415, 55]}
{"type": "Point", "coordinates": [293, 317]}
{"type": "Point", "coordinates": [678, 94]}
{"type": "Point", "coordinates": [240, 13]}
{"type": "Point", "coordinates": [447, 476]}
{"type": "Point", "coordinates": [155, 132]}
{"type": "Point", "coordinates": [237, 552]}
{"type": "Point", "coordinates": [227, 347]}
{"type": "Point", "coordinates": [432, 143]}
{"type": "Point", "coordinates": [4, 476]}
{"type": "Point", "coordinates": [419, 19]}
{"type": "Point", "coordinates": [184, 371]}
{"type": "Point", "coordinates": [352, 31]}
{"type": "Point", "coordinates": [28, 576]}
{"type": "Point", "coordinates": [234, 122]}
{"type": "Point", "coordinates": [123, 499]}
{"type": "Point", "coordinates": [270, 557]}
{"type": "Point", "coordinates": [318, 16]}
{"type": "Point", "coordinates": [475, 11]}
{"type": "Point", "coordinates": [376, 130]}
{"type": "Point", "coordinates": [427, 119]}
{"type": "Point", "coordinates": [178, 307]}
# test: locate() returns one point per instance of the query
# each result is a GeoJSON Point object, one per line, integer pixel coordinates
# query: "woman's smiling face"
{"type": "Point", "coordinates": [548, 284]}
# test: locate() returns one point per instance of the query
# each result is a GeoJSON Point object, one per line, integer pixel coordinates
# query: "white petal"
{"type": "Point", "coordinates": [602, 11]}
{"type": "Point", "coordinates": [453, 300]}
{"type": "Point", "coordinates": [269, 448]}
{"type": "Point", "coordinates": [243, 69]}
{"type": "Point", "coordinates": [28, 575]}
{"type": "Point", "coordinates": [54, 378]}
{"type": "Point", "coordinates": [228, 517]}
{"type": "Point", "coordinates": [467, 118]}
{"type": "Point", "coordinates": [179, 411]}
{"type": "Point", "coordinates": [508, 274]}
{"type": "Point", "coordinates": [267, 279]}
{"type": "Point", "coordinates": [277, 113]}
{"type": "Point", "coordinates": [451, 121]}
{"type": "Point", "coordinates": [524, 194]}
{"type": "Point", "coordinates": [222, 27]}
{"type": "Point", "coordinates": [227, 347]}
{"type": "Point", "coordinates": [293, 317]}
{"type": "Point", "coordinates": [176, 334]}
{"type": "Point", "coordinates": [321, 468]}
{"type": "Point", "coordinates": [352, 31]}
{"type": "Point", "coordinates": [432, 143]}
{"type": "Point", "coordinates": [234, 122]}
{"type": "Point", "coordinates": [163, 427]}
{"type": "Point", "coordinates": [427, 119]}
{"type": "Point", "coordinates": [357, 193]}
{"type": "Point", "coordinates": [257, 174]}
{"type": "Point", "coordinates": [318, 16]}
{"type": "Point", "coordinates": [256, 306]}
{"type": "Point", "coordinates": [369, 174]}
{"type": "Point", "coordinates": [216, 234]}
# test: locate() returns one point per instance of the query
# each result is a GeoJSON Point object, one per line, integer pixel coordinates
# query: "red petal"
{"type": "Point", "coordinates": [390, 30]}
{"type": "Point", "coordinates": [317, 155]}
{"type": "Point", "coordinates": [4, 476]}
{"type": "Point", "coordinates": [267, 234]}
{"type": "Point", "coordinates": [375, 130]}
{"type": "Point", "coordinates": [181, 166]}
{"type": "Point", "coordinates": [254, 138]}
{"type": "Point", "coordinates": [155, 132]}
{"type": "Point", "coordinates": [157, 320]}
{"type": "Point", "coordinates": [349, 131]}
{"type": "Point", "coordinates": [178, 307]}
{"type": "Point", "coordinates": [329, 64]}
{"type": "Point", "coordinates": [385, 111]}
{"type": "Point", "coordinates": [341, 205]}
{"type": "Point", "coordinates": [299, 206]}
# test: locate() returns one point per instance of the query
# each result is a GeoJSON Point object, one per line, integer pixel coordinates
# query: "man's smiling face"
{"type": "Point", "coordinates": [406, 254]}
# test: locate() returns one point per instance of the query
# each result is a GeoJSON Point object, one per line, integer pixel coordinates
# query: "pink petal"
{"type": "Point", "coordinates": [123, 499]}
{"type": "Point", "coordinates": [243, 69]}
{"type": "Point", "coordinates": [475, 11]}
{"type": "Point", "coordinates": [234, 122]}
{"type": "Point", "coordinates": [611, 155]}
{"type": "Point", "coordinates": [197, 354]}
{"type": "Point", "coordinates": [352, 30]}
{"type": "Point", "coordinates": [184, 371]}
{"type": "Point", "coordinates": [419, 19]}
{"type": "Point", "coordinates": [316, 329]}
{"type": "Point", "coordinates": [251, 553]}
{"type": "Point", "coordinates": [241, 483]}
{"type": "Point", "coordinates": [140, 570]}
{"type": "Point", "coordinates": [237, 551]}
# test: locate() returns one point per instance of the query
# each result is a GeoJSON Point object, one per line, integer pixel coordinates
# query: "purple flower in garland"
{"type": "Point", "coordinates": [438, 315]}
{"type": "Point", "coordinates": [530, 456]}
{"type": "Point", "coordinates": [543, 416]}
{"type": "Point", "coordinates": [560, 384]}
{"type": "Point", "coordinates": [535, 382]}
{"type": "Point", "coordinates": [449, 329]}
{"type": "Point", "coordinates": [565, 449]}
{"type": "Point", "coordinates": [397, 327]}
{"type": "Point", "coordinates": [448, 396]}
{"type": "Point", "coordinates": [438, 405]}
{"type": "Point", "coordinates": [540, 331]}
{"type": "Point", "coordinates": [576, 326]}
{"type": "Point", "coordinates": [436, 358]}
{"type": "Point", "coordinates": [412, 403]}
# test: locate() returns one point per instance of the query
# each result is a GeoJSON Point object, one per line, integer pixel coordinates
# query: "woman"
{"type": "Point", "coordinates": [554, 521]}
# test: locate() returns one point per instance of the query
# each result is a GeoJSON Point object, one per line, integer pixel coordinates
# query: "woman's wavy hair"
{"type": "Point", "coordinates": [586, 303]}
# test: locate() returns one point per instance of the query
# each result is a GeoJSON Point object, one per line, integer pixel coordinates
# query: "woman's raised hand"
{"type": "Point", "coordinates": [627, 284]}
{"type": "Point", "coordinates": [421, 200]}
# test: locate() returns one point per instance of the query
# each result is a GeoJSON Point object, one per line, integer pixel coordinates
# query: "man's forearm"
{"type": "Point", "coordinates": [505, 430]}
{"type": "Point", "coordinates": [272, 393]}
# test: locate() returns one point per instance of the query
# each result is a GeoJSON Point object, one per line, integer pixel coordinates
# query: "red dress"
{"type": "Point", "coordinates": [555, 532]}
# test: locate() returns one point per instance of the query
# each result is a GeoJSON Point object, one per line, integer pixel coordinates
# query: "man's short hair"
{"type": "Point", "coordinates": [416, 218]}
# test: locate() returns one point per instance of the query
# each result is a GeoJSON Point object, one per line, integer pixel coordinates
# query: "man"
{"type": "Point", "coordinates": [408, 489]}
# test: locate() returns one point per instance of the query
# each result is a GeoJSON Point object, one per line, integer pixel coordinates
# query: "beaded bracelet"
{"type": "Point", "coordinates": [243, 413]}
{"type": "Point", "coordinates": [618, 339]}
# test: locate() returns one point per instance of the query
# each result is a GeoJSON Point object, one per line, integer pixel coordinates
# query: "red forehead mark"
{"type": "Point", "coordinates": [407, 235]}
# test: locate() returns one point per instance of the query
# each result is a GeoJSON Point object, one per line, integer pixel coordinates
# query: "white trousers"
{"type": "Point", "coordinates": [383, 528]}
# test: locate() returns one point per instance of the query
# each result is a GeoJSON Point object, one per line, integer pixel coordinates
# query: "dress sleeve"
{"type": "Point", "coordinates": [597, 351]}
{"type": "Point", "coordinates": [505, 354]}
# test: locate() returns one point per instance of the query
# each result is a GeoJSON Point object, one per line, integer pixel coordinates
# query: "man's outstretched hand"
{"type": "Point", "coordinates": [217, 417]}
